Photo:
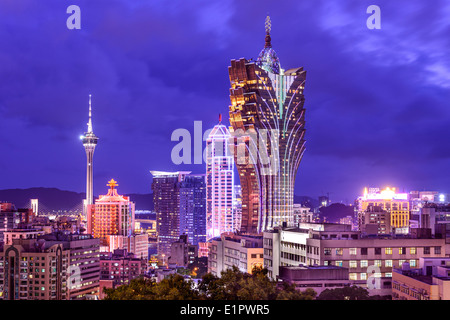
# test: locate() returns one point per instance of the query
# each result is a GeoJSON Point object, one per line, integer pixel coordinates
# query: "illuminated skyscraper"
{"type": "Point", "coordinates": [193, 208]}
{"type": "Point", "coordinates": [89, 142]}
{"type": "Point", "coordinates": [166, 200]}
{"type": "Point", "coordinates": [267, 121]}
{"type": "Point", "coordinates": [219, 183]}
{"type": "Point", "coordinates": [112, 214]}
{"type": "Point", "coordinates": [387, 209]}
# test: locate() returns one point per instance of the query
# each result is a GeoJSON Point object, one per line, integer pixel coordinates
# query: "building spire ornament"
{"type": "Point", "coordinates": [112, 184]}
{"type": "Point", "coordinates": [267, 58]}
{"type": "Point", "coordinates": [268, 25]}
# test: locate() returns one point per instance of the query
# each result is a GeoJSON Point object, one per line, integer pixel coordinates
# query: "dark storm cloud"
{"type": "Point", "coordinates": [377, 100]}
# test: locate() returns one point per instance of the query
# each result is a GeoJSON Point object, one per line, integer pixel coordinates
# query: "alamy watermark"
{"type": "Point", "coordinates": [245, 146]}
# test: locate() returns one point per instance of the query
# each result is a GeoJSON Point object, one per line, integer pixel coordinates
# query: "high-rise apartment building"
{"type": "Point", "coordinates": [112, 214]}
{"type": "Point", "coordinates": [119, 268]}
{"type": "Point", "coordinates": [55, 266]}
{"type": "Point", "coordinates": [267, 121]}
{"type": "Point", "coordinates": [219, 183]}
{"type": "Point", "coordinates": [166, 200]}
{"type": "Point", "coordinates": [193, 208]}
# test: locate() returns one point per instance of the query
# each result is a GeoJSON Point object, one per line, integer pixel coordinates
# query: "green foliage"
{"type": "Point", "coordinates": [345, 293]}
{"type": "Point", "coordinates": [138, 289]}
{"type": "Point", "coordinates": [232, 285]}
{"type": "Point", "coordinates": [174, 287]}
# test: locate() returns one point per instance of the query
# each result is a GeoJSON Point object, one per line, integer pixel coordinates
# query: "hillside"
{"type": "Point", "coordinates": [53, 199]}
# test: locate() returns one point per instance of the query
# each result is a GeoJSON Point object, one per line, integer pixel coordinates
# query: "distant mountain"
{"type": "Point", "coordinates": [53, 199]}
{"type": "Point", "coordinates": [335, 211]}
{"type": "Point", "coordinates": [307, 201]}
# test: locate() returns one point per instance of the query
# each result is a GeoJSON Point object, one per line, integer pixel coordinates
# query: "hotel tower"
{"type": "Point", "coordinates": [267, 121]}
{"type": "Point", "coordinates": [220, 217]}
{"type": "Point", "coordinates": [89, 142]}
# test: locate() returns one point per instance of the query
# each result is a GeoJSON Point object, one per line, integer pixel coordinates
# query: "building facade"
{"type": "Point", "coordinates": [430, 281]}
{"type": "Point", "coordinates": [112, 214]}
{"type": "Point", "coordinates": [120, 267]}
{"type": "Point", "coordinates": [183, 253]}
{"type": "Point", "coordinates": [219, 183]}
{"type": "Point", "coordinates": [193, 208]}
{"type": "Point", "coordinates": [267, 121]}
{"type": "Point", "coordinates": [136, 244]}
{"type": "Point", "coordinates": [336, 245]}
{"type": "Point", "coordinates": [318, 278]}
{"type": "Point", "coordinates": [387, 208]}
{"type": "Point", "coordinates": [244, 252]}
{"type": "Point", "coordinates": [55, 266]}
{"type": "Point", "coordinates": [166, 199]}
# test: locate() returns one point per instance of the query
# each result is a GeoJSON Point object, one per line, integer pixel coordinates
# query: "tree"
{"type": "Point", "coordinates": [137, 289]}
{"type": "Point", "coordinates": [174, 287]}
{"type": "Point", "coordinates": [236, 285]}
{"type": "Point", "coordinates": [232, 285]}
{"type": "Point", "coordinates": [345, 293]}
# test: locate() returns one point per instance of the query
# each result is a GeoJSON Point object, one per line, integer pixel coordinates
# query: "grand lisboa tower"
{"type": "Point", "coordinates": [267, 124]}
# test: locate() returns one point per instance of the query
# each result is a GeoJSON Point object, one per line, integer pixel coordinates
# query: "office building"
{"type": "Point", "coordinates": [193, 208]}
{"type": "Point", "coordinates": [166, 199]}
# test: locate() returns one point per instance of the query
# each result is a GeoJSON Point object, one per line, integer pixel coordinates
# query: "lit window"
{"type": "Point", "coordinates": [363, 276]}
{"type": "Point", "coordinates": [352, 264]}
{"type": "Point", "coordinates": [377, 263]}
{"type": "Point", "coordinates": [352, 251]}
{"type": "Point", "coordinates": [388, 250]}
{"type": "Point", "coordinates": [412, 250]}
{"type": "Point", "coordinates": [388, 263]}
{"type": "Point", "coordinates": [352, 276]}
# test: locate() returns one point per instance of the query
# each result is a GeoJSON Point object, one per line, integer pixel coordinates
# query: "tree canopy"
{"type": "Point", "coordinates": [231, 285]}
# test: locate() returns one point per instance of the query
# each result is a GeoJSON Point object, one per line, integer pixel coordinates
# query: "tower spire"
{"type": "Point", "coordinates": [90, 115]}
{"type": "Point", "coordinates": [268, 25]}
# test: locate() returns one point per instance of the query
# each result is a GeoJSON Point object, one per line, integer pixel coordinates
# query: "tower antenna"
{"type": "Point", "coordinates": [90, 115]}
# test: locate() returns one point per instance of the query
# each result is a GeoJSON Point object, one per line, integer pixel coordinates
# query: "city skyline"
{"type": "Point", "coordinates": [376, 99]}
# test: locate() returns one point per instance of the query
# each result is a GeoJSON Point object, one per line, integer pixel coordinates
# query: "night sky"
{"type": "Point", "coordinates": [377, 101]}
